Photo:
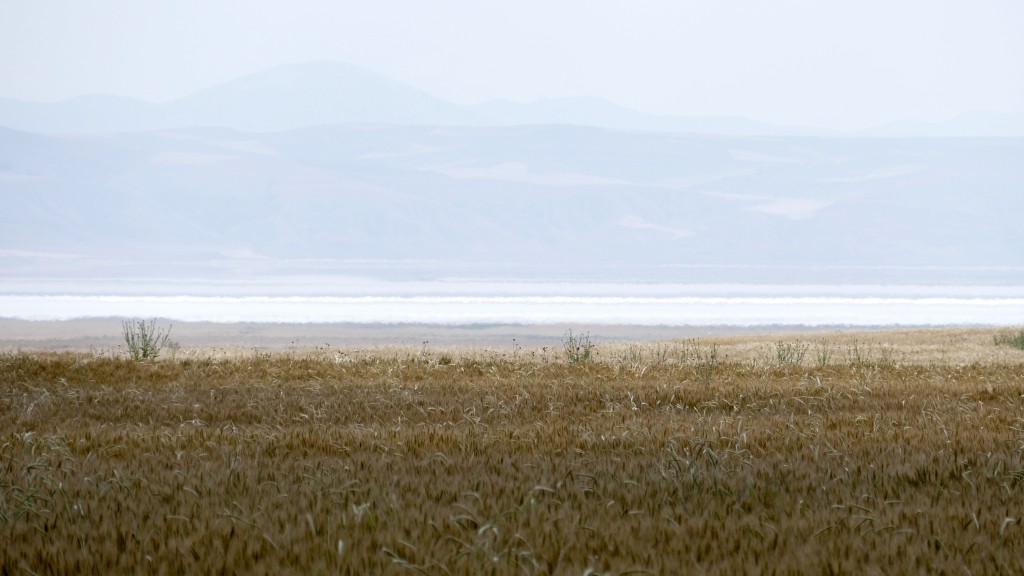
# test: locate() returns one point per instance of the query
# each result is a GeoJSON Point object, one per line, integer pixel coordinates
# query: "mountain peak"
{"type": "Point", "coordinates": [302, 76]}
{"type": "Point", "coordinates": [309, 93]}
{"type": "Point", "coordinates": [324, 92]}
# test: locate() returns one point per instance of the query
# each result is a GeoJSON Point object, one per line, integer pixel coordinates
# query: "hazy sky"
{"type": "Point", "coordinates": [838, 64]}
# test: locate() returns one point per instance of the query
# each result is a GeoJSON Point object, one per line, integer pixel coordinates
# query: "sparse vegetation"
{"type": "Point", "coordinates": [1010, 339]}
{"type": "Point", "coordinates": [707, 361]}
{"type": "Point", "coordinates": [789, 353]}
{"type": "Point", "coordinates": [663, 459]}
{"type": "Point", "coordinates": [145, 340]}
{"type": "Point", "coordinates": [823, 350]}
{"type": "Point", "coordinates": [578, 348]}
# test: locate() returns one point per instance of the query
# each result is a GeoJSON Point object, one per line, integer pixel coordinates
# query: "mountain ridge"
{"type": "Point", "coordinates": [305, 94]}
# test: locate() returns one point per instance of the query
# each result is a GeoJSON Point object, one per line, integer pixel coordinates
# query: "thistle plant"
{"type": "Point", "coordinates": [578, 348]}
{"type": "Point", "coordinates": [144, 339]}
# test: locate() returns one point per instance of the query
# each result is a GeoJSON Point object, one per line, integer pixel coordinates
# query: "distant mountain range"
{"type": "Point", "coordinates": [568, 197]}
{"type": "Point", "coordinates": [325, 164]}
{"type": "Point", "coordinates": [320, 93]}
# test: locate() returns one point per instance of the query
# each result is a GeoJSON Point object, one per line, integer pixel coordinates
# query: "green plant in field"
{"type": "Point", "coordinates": [1009, 339]}
{"type": "Point", "coordinates": [707, 363]}
{"type": "Point", "coordinates": [857, 353]}
{"type": "Point", "coordinates": [144, 339]}
{"type": "Point", "coordinates": [578, 348]}
{"type": "Point", "coordinates": [704, 358]}
{"type": "Point", "coordinates": [823, 352]}
{"type": "Point", "coordinates": [790, 353]}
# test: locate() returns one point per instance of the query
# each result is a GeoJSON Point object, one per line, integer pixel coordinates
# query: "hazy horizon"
{"type": "Point", "coordinates": [263, 156]}
{"type": "Point", "coordinates": [797, 63]}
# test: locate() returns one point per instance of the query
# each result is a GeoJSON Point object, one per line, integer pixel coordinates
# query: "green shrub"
{"type": "Point", "coordinates": [1009, 339]}
{"type": "Point", "coordinates": [577, 348]}
{"type": "Point", "coordinates": [789, 353]}
{"type": "Point", "coordinates": [144, 339]}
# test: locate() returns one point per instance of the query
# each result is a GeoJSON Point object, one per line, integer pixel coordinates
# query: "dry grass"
{"type": "Point", "coordinates": [901, 454]}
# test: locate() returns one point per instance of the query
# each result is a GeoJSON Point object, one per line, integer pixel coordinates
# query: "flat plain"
{"type": "Point", "coordinates": [854, 452]}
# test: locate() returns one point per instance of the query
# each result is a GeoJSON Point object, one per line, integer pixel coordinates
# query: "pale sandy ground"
{"type": "Point", "coordinates": [625, 344]}
{"type": "Point", "coordinates": [106, 333]}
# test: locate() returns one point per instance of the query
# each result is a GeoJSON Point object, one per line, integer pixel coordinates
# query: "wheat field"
{"type": "Point", "coordinates": [864, 453]}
